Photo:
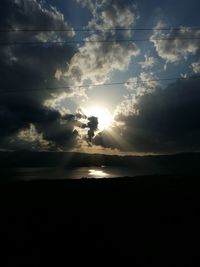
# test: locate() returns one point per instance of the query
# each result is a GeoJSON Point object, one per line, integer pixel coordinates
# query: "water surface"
{"type": "Point", "coordinates": [77, 173]}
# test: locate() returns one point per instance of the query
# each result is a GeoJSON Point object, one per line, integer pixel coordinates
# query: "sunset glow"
{"type": "Point", "coordinates": [104, 116]}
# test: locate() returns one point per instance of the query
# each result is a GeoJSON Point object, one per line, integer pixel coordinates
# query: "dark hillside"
{"type": "Point", "coordinates": [146, 221]}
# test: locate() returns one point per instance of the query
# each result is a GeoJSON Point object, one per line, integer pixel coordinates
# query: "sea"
{"type": "Point", "coordinates": [27, 174]}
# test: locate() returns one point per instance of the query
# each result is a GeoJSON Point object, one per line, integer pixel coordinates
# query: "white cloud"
{"type": "Point", "coordinates": [93, 5]}
{"type": "Point", "coordinates": [146, 82]}
{"type": "Point", "coordinates": [32, 137]}
{"type": "Point", "coordinates": [148, 63]}
{"type": "Point", "coordinates": [126, 107]}
{"type": "Point", "coordinates": [196, 66]}
{"type": "Point", "coordinates": [137, 86]}
{"type": "Point", "coordinates": [95, 61]}
{"type": "Point", "coordinates": [115, 16]}
{"type": "Point", "coordinates": [179, 44]}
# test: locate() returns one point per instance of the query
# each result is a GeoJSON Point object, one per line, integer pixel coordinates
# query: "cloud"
{"type": "Point", "coordinates": [148, 63]}
{"type": "Point", "coordinates": [110, 14]}
{"type": "Point", "coordinates": [164, 121]}
{"type": "Point", "coordinates": [50, 126]}
{"type": "Point", "coordinates": [92, 5]}
{"type": "Point", "coordinates": [93, 126]}
{"type": "Point", "coordinates": [179, 44]}
{"type": "Point", "coordinates": [34, 117]}
{"type": "Point", "coordinates": [146, 82]}
{"type": "Point", "coordinates": [114, 15]}
{"type": "Point", "coordinates": [96, 61]}
{"type": "Point", "coordinates": [136, 87]}
{"type": "Point", "coordinates": [196, 66]}
{"type": "Point", "coordinates": [30, 139]}
{"type": "Point", "coordinates": [31, 14]}
{"type": "Point", "coordinates": [28, 70]}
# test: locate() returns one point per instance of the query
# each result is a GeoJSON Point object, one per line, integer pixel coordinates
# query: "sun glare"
{"type": "Point", "coordinates": [103, 114]}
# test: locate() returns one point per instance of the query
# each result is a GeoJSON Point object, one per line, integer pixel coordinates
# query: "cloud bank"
{"type": "Point", "coordinates": [28, 70]}
{"type": "Point", "coordinates": [164, 121]}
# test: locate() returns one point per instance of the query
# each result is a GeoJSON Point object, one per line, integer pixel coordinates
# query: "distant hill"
{"type": "Point", "coordinates": [178, 163]}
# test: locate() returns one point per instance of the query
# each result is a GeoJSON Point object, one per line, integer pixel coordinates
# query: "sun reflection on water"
{"type": "Point", "coordinates": [97, 173]}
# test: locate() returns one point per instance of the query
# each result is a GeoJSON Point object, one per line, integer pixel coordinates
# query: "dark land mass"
{"type": "Point", "coordinates": [139, 221]}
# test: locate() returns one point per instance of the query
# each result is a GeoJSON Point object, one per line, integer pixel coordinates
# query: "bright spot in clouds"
{"type": "Point", "coordinates": [103, 114]}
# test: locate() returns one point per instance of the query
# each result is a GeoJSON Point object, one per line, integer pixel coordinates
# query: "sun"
{"type": "Point", "coordinates": [103, 114]}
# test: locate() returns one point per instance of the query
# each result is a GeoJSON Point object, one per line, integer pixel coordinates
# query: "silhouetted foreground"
{"type": "Point", "coordinates": [146, 221]}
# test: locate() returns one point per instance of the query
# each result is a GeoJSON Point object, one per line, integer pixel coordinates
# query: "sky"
{"type": "Point", "coordinates": [111, 77]}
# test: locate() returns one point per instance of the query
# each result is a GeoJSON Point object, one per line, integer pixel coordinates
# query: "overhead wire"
{"type": "Point", "coordinates": [2, 30]}
{"type": "Point", "coordinates": [91, 85]}
{"type": "Point", "coordinates": [93, 41]}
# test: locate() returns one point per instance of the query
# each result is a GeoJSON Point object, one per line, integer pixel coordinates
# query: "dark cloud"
{"type": "Point", "coordinates": [166, 120]}
{"type": "Point", "coordinates": [62, 134]}
{"type": "Point", "coordinates": [28, 70]}
{"type": "Point", "coordinates": [30, 14]}
{"type": "Point", "coordinates": [93, 126]}
{"type": "Point", "coordinates": [50, 123]}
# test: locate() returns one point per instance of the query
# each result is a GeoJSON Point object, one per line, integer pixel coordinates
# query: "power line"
{"type": "Point", "coordinates": [95, 41]}
{"type": "Point", "coordinates": [97, 84]}
{"type": "Point", "coordinates": [94, 30]}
